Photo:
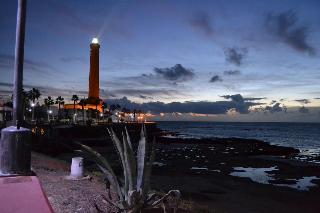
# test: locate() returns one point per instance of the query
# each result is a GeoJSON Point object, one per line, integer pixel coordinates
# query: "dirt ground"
{"type": "Point", "coordinates": [80, 196]}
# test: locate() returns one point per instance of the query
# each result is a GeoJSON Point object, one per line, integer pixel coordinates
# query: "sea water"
{"type": "Point", "coordinates": [303, 136]}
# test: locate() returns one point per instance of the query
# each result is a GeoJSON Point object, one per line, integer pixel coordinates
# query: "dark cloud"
{"type": "Point", "coordinates": [253, 99]}
{"type": "Point", "coordinates": [303, 109]}
{"type": "Point", "coordinates": [201, 107]}
{"type": "Point", "coordinates": [303, 101]}
{"type": "Point", "coordinates": [201, 22]}
{"type": "Point", "coordinates": [275, 107]}
{"type": "Point", "coordinates": [235, 55]}
{"type": "Point", "coordinates": [215, 78]}
{"type": "Point", "coordinates": [232, 72]}
{"type": "Point", "coordinates": [239, 98]}
{"type": "Point", "coordinates": [285, 27]}
{"type": "Point", "coordinates": [177, 73]}
{"type": "Point", "coordinates": [317, 98]}
{"type": "Point", "coordinates": [236, 97]}
{"type": "Point", "coordinates": [144, 92]}
{"type": "Point", "coordinates": [145, 97]}
{"type": "Point", "coordinates": [273, 102]}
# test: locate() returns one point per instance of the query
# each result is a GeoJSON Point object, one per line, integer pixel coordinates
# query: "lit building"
{"type": "Point", "coordinates": [93, 101]}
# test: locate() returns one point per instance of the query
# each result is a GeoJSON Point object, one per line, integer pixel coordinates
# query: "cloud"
{"type": "Point", "coordinates": [199, 107]}
{"type": "Point", "coordinates": [215, 78]}
{"type": "Point", "coordinates": [275, 107]}
{"type": "Point", "coordinates": [7, 62]}
{"type": "Point", "coordinates": [232, 72]}
{"type": "Point", "coordinates": [144, 92]}
{"type": "Point", "coordinates": [177, 73]}
{"type": "Point", "coordinates": [201, 22]}
{"type": "Point", "coordinates": [235, 55]}
{"type": "Point", "coordinates": [303, 109]}
{"type": "Point", "coordinates": [239, 98]}
{"type": "Point", "coordinates": [285, 27]}
{"type": "Point", "coordinates": [303, 101]}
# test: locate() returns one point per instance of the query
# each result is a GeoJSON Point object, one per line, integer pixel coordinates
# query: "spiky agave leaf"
{"type": "Point", "coordinates": [104, 166]}
{"type": "Point", "coordinates": [128, 138]}
{"type": "Point", "coordinates": [130, 163]}
{"type": "Point", "coordinates": [118, 144]}
{"type": "Point", "coordinates": [141, 159]}
{"type": "Point", "coordinates": [120, 149]}
{"type": "Point", "coordinates": [148, 170]}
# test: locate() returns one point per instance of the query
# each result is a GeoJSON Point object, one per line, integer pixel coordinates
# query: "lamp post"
{"type": "Point", "coordinates": [49, 113]}
{"type": "Point", "coordinates": [15, 143]}
{"type": "Point", "coordinates": [32, 106]}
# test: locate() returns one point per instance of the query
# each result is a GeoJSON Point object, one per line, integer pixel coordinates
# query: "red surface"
{"type": "Point", "coordinates": [22, 194]}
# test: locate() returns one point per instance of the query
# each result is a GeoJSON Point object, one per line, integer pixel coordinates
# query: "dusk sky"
{"type": "Point", "coordinates": [217, 60]}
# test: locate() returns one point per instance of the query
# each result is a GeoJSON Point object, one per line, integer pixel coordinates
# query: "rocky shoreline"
{"type": "Point", "coordinates": [225, 175]}
{"type": "Point", "coordinates": [238, 175]}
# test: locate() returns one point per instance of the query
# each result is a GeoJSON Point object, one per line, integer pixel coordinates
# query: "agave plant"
{"type": "Point", "coordinates": [133, 193]}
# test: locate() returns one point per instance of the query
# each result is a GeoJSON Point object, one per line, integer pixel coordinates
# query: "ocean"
{"type": "Point", "coordinates": [303, 136]}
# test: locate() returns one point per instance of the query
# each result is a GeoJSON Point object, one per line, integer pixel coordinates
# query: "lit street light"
{"type": "Point", "coordinates": [32, 105]}
{"type": "Point", "coordinates": [49, 113]}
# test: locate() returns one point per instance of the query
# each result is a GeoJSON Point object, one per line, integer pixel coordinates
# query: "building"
{"type": "Point", "coordinates": [93, 101]}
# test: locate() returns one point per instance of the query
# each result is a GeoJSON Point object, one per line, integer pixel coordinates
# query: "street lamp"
{"type": "Point", "coordinates": [74, 117]}
{"type": "Point", "coordinates": [32, 105]}
{"type": "Point", "coordinates": [49, 113]}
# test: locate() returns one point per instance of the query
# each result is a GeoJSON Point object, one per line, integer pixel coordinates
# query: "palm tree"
{"type": "Point", "coordinates": [75, 99]}
{"type": "Point", "coordinates": [82, 102]}
{"type": "Point", "coordinates": [48, 102]}
{"type": "Point", "coordinates": [33, 94]}
{"type": "Point", "coordinates": [59, 101]}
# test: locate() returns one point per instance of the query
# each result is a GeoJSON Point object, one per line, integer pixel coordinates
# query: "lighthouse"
{"type": "Point", "coordinates": [94, 71]}
{"type": "Point", "coordinates": [93, 101]}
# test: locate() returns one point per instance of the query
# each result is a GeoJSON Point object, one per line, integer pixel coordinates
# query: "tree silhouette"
{"type": "Point", "coordinates": [59, 101]}
{"type": "Point", "coordinates": [75, 99]}
{"type": "Point", "coordinates": [48, 102]}
{"type": "Point", "coordinates": [83, 102]}
{"type": "Point", "coordinates": [33, 94]}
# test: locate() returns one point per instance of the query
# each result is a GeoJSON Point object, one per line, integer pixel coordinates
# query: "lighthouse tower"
{"type": "Point", "coordinates": [94, 71]}
{"type": "Point", "coordinates": [93, 101]}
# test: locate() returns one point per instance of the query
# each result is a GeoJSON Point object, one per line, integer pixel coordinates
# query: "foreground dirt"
{"type": "Point", "coordinates": [66, 195]}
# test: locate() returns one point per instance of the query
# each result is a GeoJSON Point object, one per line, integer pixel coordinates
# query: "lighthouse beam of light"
{"type": "Point", "coordinates": [110, 16]}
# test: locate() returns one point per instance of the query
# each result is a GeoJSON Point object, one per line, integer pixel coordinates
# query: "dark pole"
{"type": "Point", "coordinates": [18, 64]}
{"type": "Point", "coordinates": [15, 142]}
